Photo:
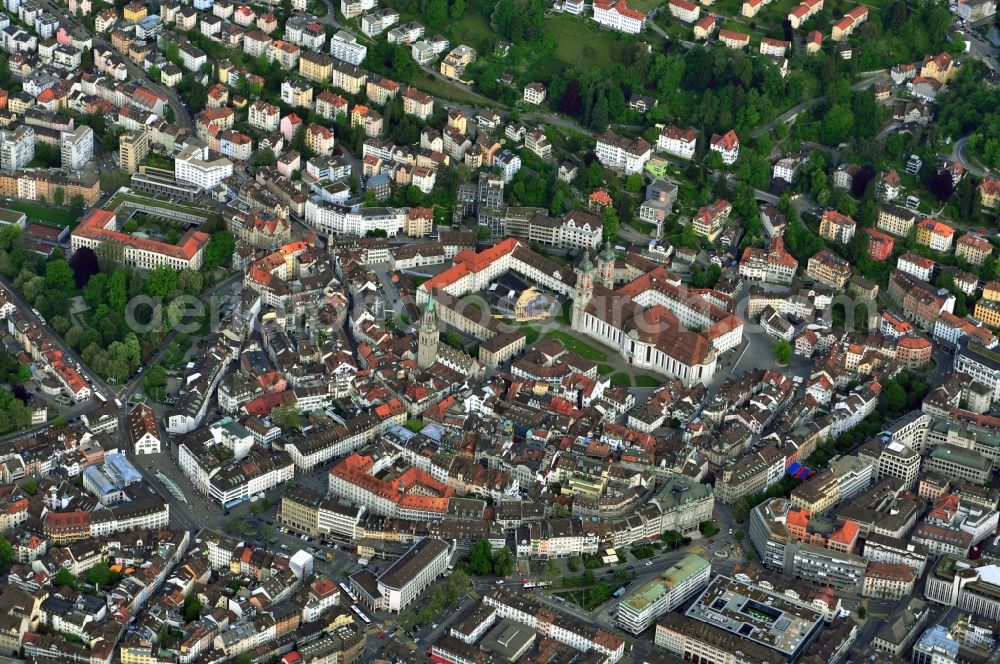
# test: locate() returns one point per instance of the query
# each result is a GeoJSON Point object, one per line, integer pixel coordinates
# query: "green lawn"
{"type": "Point", "coordinates": [644, 5]}
{"type": "Point", "coordinates": [647, 381]}
{"type": "Point", "coordinates": [621, 380]}
{"type": "Point", "coordinates": [118, 200]}
{"type": "Point", "coordinates": [439, 88]}
{"type": "Point", "coordinates": [531, 334]}
{"type": "Point", "coordinates": [579, 347]}
{"type": "Point", "coordinates": [580, 42]}
{"type": "Point", "coordinates": [604, 369]}
{"type": "Point", "coordinates": [45, 215]}
{"type": "Point", "coordinates": [473, 30]}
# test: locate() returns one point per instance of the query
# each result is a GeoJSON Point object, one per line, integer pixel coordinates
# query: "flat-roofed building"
{"type": "Point", "coordinates": [953, 461]}
{"type": "Point", "coordinates": [730, 617]}
{"type": "Point", "coordinates": [412, 572]}
{"type": "Point", "coordinates": [677, 584]}
{"type": "Point", "coordinates": [970, 585]}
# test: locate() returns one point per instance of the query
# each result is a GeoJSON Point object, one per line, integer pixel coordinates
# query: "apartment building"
{"type": "Point", "coordinates": [617, 15]}
{"type": "Point", "coordinates": [76, 147]}
{"type": "Point", "coordinates": [773, 265]}
{"type": "Point", "coordinates": [837, 227]}
{"type": "Point", "coordinates": [980, 363]}
{"type": "Point", "coordinates": [974, 249]}
{"type": "Point", "coordinates": [888, 581]}
{"type": "Point", "coordinates": [829, 269]}
{"type": "Point", "coordinates": [133, 147]}
{"type": "Point", "coordinates": [192, 164]}
{"type": "Point", "coordinates": [895, 220]}
{"type": "Point", "coordinates": [17, 147]}
{"type": "Point", "coordinates": [623, 154]}
{"type": "Point", "coordinates": [935, 234]}
{"type": "Point", "coordinates": [678, 142]}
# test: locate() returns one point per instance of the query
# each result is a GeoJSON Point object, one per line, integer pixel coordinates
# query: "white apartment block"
{"type": "Point", "coordinates": [341, 221]}
{"type": "Point", "coordinates": [623, 154]}
{"type": "Point", "coordinates": [76, 147]}
{"type": "Point", "coordinates": [193, 165]}
{"type": "Point", "coordinates": [678, 142]}
{"type": "Point", "coordinates": [17, 148]}
{"type": "Point", "coordinates": [344, 46]}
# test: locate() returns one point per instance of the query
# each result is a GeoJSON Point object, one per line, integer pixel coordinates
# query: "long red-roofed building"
{"type": "Point", "coordinates": [101, 226]}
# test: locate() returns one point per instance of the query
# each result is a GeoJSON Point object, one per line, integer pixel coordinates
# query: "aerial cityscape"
{"type": "Point", "coordinates": [496, 331]}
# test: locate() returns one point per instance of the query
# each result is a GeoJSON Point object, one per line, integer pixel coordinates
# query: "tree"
{"type": "Point", "coordinates": [6, 554]}
{"type": "Point", "coordinates": [481, 558]}
{"type": "Point", "coordinates": [503, 562]}
{"type": "Point", "coordinates": [287, 416]}
{"type": "Point", "coordinates": [192, 608]}
{"type": "Point", "coordinates": [263, 157]}
{"type": "Point", "coordinates": [782, 351]}
{"type": "Point", "coordinates": [634, 182]}
{"type": "Point", "coordinates": [895, 397]}
{"type": "Point", "coordinates": [154, 380]}
{"type": "Point", "coordinates": [161, 281]}
{"type": "Point", "coordinates": [190, 282]}
{"type": "Point", "coordinates": [85, 265]}
{"type": "Point", "coordinates": [64, 578]}
{"type": "Point", "coordinates": [59, 276]}
{"type": "Point", "coordinates": [708, 528]}
{"type": "Point", "coordinates": [453, 339]}
{"type": "Point", "coordinates": [672, 539]}
{"type": "Point", "coordinates": [59, 197]}
{"type": "Point", "coordinates": [110, 255]}
{"type": "Point", "coordinates": [117, 289]}
{"type": "Point", "coordinates": [218, 250]}
{"type": "Point", "coordinates": [437, 12]}
{"type": "Point", "coordinates": [550, 573]}
{"type": "Point", "coordinates": [610, 223]}
{"type": "Point", "coordinates": [100, 576]}
{"type": "Point", "coordinates": [457, 9]}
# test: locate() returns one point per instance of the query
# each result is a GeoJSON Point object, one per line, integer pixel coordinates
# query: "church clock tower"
{"type": "Point", "coordinates": [584, 290]}
{"type": "Point", "coordinates": [427, 339]}
{"type": "Point", "coordinates": [606, 266]}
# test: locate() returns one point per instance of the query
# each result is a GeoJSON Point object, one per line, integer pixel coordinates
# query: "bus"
{"type": "Point", "coordinates": [361, 614]}
{"type": "Point", "coordinates": [347, 591]}
{"type": "Point", "coordinates": [100, 397]}
{"type": "Point", "coordinates": [537, 584]}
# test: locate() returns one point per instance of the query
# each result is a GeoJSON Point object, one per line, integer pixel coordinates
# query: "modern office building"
{"type": "Point", "coordinates": [681, 581]}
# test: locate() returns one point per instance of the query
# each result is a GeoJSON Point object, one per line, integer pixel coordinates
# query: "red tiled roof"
{"type": "Point", "coordinates": [729, 140]}
{"type": "Point", "coordinates": [95, 227]}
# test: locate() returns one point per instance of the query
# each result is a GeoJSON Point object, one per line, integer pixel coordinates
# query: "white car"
{"type": "Point", "coordinates": [649, 563]}
{"type": "Point", "coordinates": [499, 582]}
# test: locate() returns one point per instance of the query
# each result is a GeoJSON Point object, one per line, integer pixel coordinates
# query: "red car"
{"type": "Point", "coordinates": [381, 635]}
{"type": "Point", "coordinates": [524, 579]}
